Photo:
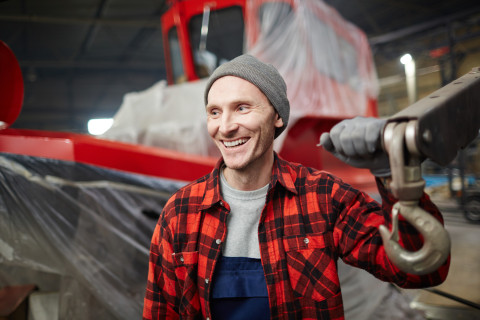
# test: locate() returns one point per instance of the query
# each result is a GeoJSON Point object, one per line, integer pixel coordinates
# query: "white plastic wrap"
{"type": "Point", "coordinates": [171, 117]}
{"type": "Point", "coordinates": [325, 60]}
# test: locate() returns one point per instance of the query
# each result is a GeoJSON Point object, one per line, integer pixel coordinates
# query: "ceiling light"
{"type": "Point", "coordinates": [406, 58]}
{"type": "Point", "coordinates": [99, 126]}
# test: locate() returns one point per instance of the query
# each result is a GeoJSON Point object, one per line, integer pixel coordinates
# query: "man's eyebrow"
{"type": "Point", "coordinates": [210, 106]}
{"type": "Point", "coordinates": [242, 101]}
{"type": "Point", "coordinates": [233, 102]}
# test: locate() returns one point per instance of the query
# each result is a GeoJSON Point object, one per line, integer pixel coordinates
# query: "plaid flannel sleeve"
{"type": "Point", "coordinates": [361, 245]}
{"type": "Point", "coordinates": [160, 297]}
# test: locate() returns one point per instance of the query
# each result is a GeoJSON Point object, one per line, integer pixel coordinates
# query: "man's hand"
{"type": "Point", "coordinates": [357, 142]}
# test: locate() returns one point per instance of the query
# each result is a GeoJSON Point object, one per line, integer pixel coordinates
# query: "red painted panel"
{"type": "Point", "coordinates": [11, 86]}
{"type": "Point", "coordinates": [109, 154]}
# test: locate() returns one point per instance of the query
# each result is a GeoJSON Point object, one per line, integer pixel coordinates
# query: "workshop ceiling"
{"type": "Point", "coordinates": [79, 57]}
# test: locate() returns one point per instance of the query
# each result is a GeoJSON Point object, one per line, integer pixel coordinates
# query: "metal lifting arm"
{"type": "Point", "coordinates": [435, 127]}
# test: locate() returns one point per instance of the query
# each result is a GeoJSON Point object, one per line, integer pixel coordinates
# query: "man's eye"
{"type": "Point", "coordinates": [242, 108]}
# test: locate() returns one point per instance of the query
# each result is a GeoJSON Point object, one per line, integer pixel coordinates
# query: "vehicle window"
{"type": "Point", "coordinates": [224, 40]}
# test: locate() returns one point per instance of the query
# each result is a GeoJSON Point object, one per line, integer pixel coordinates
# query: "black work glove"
{"type": "Point", "coordinates": [357, 142]}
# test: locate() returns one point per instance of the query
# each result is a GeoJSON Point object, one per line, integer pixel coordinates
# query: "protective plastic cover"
{"type": "Point", "coordinates": [79, 230]}
{"type": "Point", "coordinates": [325, 60]}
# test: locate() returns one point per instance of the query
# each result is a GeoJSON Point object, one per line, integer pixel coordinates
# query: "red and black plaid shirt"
{"type": "Point", "coordinates": [310, 219]}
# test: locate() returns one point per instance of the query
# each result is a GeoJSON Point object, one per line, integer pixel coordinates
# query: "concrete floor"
{"type": "Point", "coordinates": [464, 276]}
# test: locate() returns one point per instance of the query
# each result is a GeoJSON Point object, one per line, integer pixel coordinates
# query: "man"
{"type": "Point", "coordinates": [258, 237]}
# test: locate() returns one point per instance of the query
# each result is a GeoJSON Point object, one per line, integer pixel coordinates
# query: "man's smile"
{"type": "Point", "coordinates": [234, 143]}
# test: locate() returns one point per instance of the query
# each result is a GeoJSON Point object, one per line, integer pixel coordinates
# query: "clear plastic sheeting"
{"type": "Point", "coordinates": [325, 60]}
{"type": "Point", "coordinates": [79, 230]}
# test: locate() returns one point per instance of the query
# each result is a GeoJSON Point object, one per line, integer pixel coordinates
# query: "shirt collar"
{"type": "Point", "coordinates": [212, 193]}
{"type": "Point", "coordinates": [281, 174]}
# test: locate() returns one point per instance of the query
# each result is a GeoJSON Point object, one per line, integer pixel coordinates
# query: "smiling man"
{"type": "Point", "coordinates": [258, 237]}
{"type": "Point", "coordinates": [243, 124]}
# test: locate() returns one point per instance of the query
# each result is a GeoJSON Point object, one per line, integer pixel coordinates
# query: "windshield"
{"type": "Point", "coordinates": [222, 38]}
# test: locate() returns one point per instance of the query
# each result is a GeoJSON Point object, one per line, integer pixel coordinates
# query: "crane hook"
{"type": "Point", "coordinates": [436, 246]}
{"type": "Point", "coordinates": [407, 185]}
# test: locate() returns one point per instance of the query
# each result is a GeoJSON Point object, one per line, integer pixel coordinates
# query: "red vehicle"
{"type": "Point", "coordinates": [86, 207]}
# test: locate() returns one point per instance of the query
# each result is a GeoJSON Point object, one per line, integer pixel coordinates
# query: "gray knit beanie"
{"type": "Point", "coordinates": [264, 76]}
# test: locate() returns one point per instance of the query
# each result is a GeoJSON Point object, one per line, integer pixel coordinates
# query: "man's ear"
{"type": "Point", "coordinates": [278, 121]}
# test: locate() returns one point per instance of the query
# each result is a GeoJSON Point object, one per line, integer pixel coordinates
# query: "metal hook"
{"type": "Point", "coordinates": [407, 185]}
{"type": "Point", "coordinates": [436, 246]}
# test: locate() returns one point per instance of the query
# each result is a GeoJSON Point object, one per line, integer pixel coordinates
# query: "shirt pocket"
{"type": "Point", "coordinates": [186, 267]}
{"type": "Point", "coordinates": [311, 266]}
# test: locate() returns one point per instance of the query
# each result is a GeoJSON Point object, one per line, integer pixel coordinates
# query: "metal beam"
{"type": "Point", "coordinates": [411, 6]}
{"type": "Point", "coordinates": [65, 64]}
{"type": "Point", "coordinates": [405, 32]}
{"type": "Point", "coordinates": [83, 21]}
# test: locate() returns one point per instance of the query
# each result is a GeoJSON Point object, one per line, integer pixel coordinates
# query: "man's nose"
{"type": "Point", "coordinates": [228, 124]}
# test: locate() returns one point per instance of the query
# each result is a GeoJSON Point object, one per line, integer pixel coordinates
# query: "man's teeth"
{"type": "Point", "coordinates": [235, 143]}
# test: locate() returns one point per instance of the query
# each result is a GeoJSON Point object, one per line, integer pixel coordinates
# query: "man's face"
{"type": "Point", "coordinates": [241, 121]}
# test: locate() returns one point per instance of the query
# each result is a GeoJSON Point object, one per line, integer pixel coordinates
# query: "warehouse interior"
{"type": "Point", "coordinates": [79, 58]}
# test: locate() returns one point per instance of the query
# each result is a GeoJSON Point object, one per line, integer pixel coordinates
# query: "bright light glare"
{"type": "Point", "coordinates": [99, 126]}
{"type": "Point", "coordinates": [406, 58]}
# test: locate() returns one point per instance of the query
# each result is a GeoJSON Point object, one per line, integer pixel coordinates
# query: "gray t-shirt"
{"type": "Point", "coordinates": [242, 222]}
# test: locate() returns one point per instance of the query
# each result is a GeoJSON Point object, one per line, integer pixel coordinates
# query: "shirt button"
{"type": "Point", "coordinates": [181, 259]}
{"type": "Point", "coordinates": [306, 240]}
{"type": "Point", "coordinates": [221, 203]}
{"type": "Point", "coordinates": [208, 318]}
{"type": "Point", "coordinates": [206, 280]}
{"type": "Point", "coordinates": [218, 241]}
